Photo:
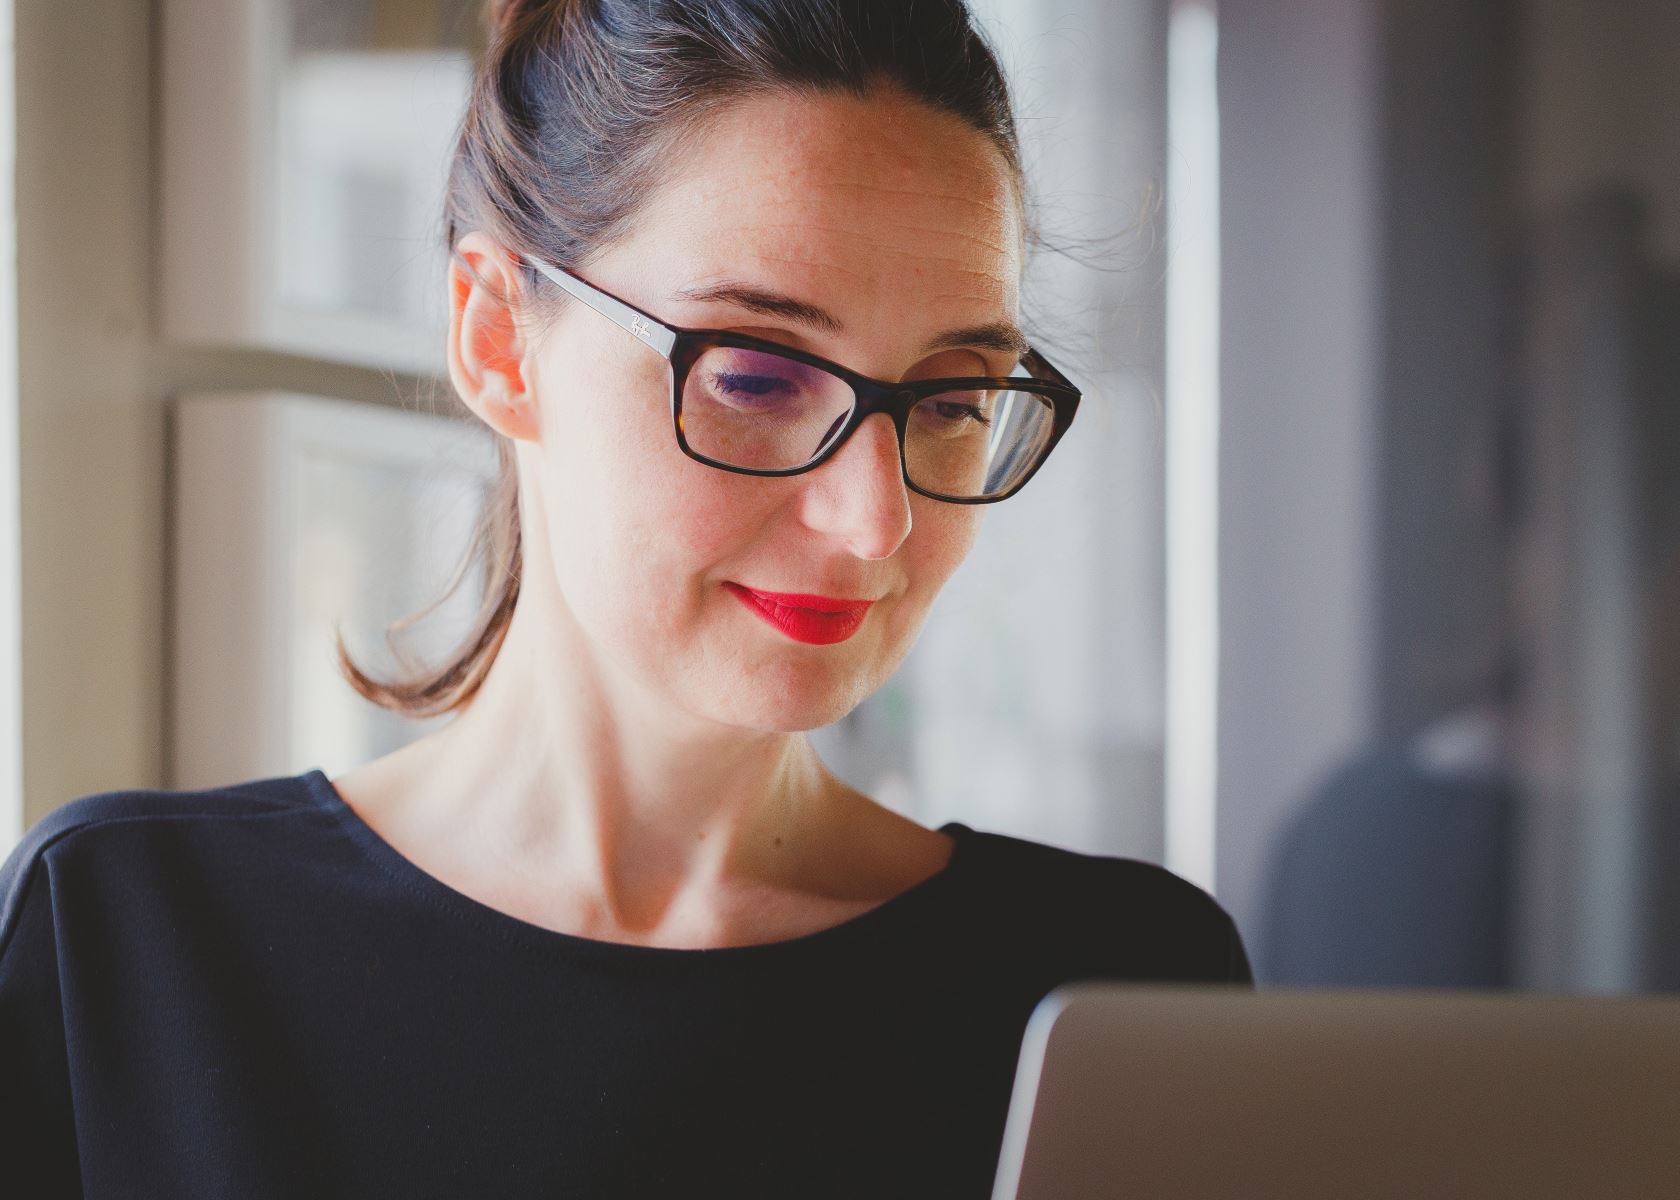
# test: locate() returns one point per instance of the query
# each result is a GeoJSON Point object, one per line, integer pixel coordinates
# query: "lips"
{"type": "Point", "coordinates": [819, 620]}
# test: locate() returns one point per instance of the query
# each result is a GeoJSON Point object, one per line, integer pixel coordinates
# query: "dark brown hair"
{"type": "Point", "coordinates": [578, 105]}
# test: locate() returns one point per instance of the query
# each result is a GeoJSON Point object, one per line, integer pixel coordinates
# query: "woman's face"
{"type": "Point", "coordinates": [897, 221]}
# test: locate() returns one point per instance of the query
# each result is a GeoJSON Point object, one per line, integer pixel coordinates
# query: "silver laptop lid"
{"type": "Point", "coordinates": [1165, 1092]}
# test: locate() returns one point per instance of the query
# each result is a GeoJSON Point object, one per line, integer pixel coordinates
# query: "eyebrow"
{"type": "Point", "coordinates": [993, 335]}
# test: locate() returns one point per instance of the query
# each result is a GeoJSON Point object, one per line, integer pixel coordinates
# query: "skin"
{"type": "Point", "coordinates": [635, 768]}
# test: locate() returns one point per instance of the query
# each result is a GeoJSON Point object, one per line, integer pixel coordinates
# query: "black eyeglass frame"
{"type": "Point", "coordinates": [682, 347]}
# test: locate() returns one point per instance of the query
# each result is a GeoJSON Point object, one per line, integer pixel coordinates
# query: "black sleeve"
{"type": "Point", "coordinates": [37, 1126]}
{"type": "Point", "coordinates": [1157, 926]}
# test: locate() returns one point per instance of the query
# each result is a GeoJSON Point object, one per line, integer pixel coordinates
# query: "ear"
{"type": "Point", "coordinates": [487, 348]}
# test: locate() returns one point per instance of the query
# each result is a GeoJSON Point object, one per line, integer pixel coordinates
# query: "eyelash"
{"type": "Point", "coordinates": [725, 381]}
{"type": "Point", "coordinates": [971, 412]}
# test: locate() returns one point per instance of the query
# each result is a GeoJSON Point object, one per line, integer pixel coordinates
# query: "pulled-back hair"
{"type": "Point", "coordinates": [577, 107]}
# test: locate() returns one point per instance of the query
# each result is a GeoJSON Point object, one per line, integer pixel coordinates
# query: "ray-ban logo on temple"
{"type": "Point", "coordinates": [641, 328]}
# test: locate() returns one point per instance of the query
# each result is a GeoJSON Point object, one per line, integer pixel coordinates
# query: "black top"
{"type": "Point", "coordinates": [246, 992]}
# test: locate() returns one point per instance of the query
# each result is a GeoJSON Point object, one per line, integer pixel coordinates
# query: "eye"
{"type": "Point", "coordinates": [760, 383]}
{"type": "Point", "coordinates": [956, 411]}
{"type": "Point", "coordinates": [951, 414]}
{"type": "Point", "coordinates": [739, 384]}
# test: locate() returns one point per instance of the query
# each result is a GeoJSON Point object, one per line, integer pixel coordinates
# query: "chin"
{"type": "Point", "coordinates": [794, 701]}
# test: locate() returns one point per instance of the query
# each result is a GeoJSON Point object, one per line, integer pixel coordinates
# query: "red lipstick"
{"type": "Point", "coordinates": [819, 620]}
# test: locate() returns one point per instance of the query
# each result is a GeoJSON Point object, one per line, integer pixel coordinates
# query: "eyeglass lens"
{"type": "Point", "coordinates": [749, 408]}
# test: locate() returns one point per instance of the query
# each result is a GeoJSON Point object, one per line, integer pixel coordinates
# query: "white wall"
{"type": "Point", "coordinates": [11, 634]}
{"type": "Point", "coordinates": [1301, 230]}
{"type": "Point", "coordinates": [91, 446]}
{"type": "Point", "coordinates": [93, 383]}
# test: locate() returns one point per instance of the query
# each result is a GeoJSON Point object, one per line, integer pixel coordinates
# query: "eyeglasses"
{"type": "Point", "coordinates": [756, 407]}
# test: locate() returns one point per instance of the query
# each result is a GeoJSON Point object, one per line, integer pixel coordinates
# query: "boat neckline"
{"type": "Point", "coordinates": [409, 874]}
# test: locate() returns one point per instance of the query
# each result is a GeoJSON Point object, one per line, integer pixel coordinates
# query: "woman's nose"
{"type": "Point", "coordinates": [859, 494]}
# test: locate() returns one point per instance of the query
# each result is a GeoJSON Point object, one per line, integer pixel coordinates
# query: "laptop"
{"type": "Point", "coordinates": [1200, 1092]}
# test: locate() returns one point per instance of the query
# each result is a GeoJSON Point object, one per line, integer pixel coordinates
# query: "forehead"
{"type": "Point", "coordinates": [878, 203]}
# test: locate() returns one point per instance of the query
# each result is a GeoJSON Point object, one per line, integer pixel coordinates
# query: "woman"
{"type": "Point", "coordinates": [615, 930]}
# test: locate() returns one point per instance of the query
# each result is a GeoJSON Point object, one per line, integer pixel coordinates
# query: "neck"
{"type": "Point", "coordinates": [563, 768]}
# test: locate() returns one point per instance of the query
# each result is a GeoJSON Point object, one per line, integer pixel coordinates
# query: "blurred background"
{"type": "Point", "coordinates": [1353, 595]}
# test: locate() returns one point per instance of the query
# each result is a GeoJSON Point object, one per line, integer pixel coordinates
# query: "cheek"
{"type": "Point", "coordinates": [951, 530]}
{"type": "Point", "coordinates": [941, 536]}
{"type": "Point", "coordinates": [635, 524]}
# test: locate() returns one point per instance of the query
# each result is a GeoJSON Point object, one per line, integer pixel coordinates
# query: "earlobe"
{"type": "Point", "coordinates": [486, 348]}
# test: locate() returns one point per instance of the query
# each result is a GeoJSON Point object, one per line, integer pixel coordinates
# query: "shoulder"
{"type": "Point", "coordinates": [83, 880]}
{"type": "Point", "coordinates": [1126, 916]}
{"type": "Point", "coordinates": [100, 810]}
{"type": "Point", "coordinates": [1112, 879]}
{"type": "Point", "coordinates": [86, 819]}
